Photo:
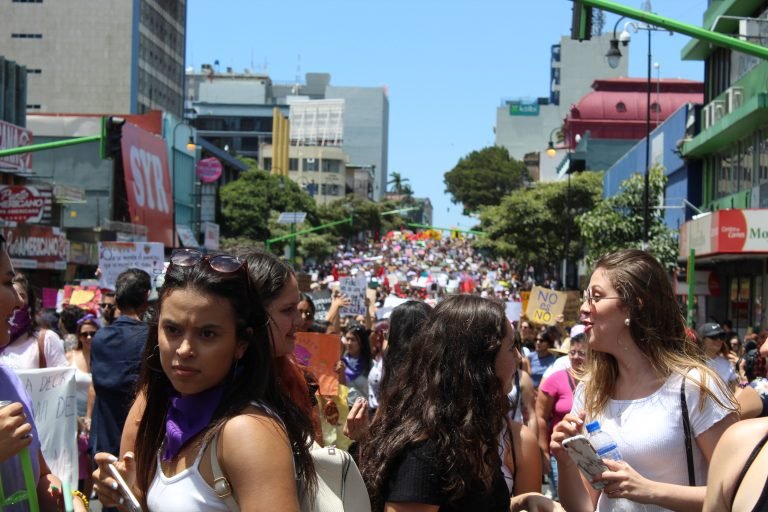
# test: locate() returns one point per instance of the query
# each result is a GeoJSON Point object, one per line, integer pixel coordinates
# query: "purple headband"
{"type": "Point", "coordinates": [87, 318]}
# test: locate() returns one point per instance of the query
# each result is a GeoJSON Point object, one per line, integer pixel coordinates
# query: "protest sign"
{"type": "Point", "coordinates": [572, 306]}
{"type": "Point", "coordinates": [115, 257]}
{"type": "Point", "coordinates": [85, 297]}
{"type": "Point", "coordinates": [544, 305]}
{"type": "Point", "coordinates": [514, 310]}
{"type": "Point", "coordinates": [52, 391]}
{"type": "Point", "coordinates": [322, 302]}
{"type": "Point", "coordinates": [354, 288]}
{"type": "Point", "coordinates": [320, 352]}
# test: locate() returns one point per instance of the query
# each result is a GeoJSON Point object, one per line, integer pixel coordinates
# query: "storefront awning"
{"type": "Point", "coordinates": [726, 233]}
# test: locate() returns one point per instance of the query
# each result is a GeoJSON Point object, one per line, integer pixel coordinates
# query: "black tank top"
{"type": "Point", "coordinates": [762, 501]}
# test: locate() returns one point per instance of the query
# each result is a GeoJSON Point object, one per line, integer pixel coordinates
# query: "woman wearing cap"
{"type": "Point", "coordinates": [713, 343]}
{"type": "Point", "coordinates": [640, 372]}
{"type": "Point", "coordinates": [555, 398]}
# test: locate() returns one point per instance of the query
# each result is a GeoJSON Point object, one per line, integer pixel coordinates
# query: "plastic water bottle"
{"type": "Point", "coordinates": [606, 448]}
{"type": "Point", "coordinates": [602, 442]}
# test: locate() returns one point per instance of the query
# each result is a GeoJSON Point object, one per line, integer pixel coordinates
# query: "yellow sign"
{"type": "Point", "coordinates": [544, 305]}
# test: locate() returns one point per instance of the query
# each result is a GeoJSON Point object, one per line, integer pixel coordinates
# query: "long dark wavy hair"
{"type": "Point", "coordinates": [447, 393]}
{"type": "Point", "coordinates": [405, 321]}
{"type": "Point", "coordinates": [254, 379]}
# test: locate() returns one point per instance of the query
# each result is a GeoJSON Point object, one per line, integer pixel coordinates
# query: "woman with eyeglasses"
{"type": "Point", "coordinates": [80, 359]}
{"type": "Point", "coordinates": [645, 382]}
{"type": "Point", "coordinates": [217, 431]}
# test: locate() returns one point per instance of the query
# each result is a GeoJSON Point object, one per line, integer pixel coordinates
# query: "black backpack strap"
{"type": "Point", "coordinates": [688, 436]}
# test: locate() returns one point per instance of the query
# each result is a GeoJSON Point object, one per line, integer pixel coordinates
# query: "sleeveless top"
{"type": "Point", "coordinates": [504, 449]}
{"type": "Point", "coordinates": [762, 501]}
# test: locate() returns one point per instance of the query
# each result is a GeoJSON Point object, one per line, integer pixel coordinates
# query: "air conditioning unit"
{"type": "Point", "coordinates": [733, 98]}
{"type": "Point", "coordinates": [310, 160]}
{"type": "Point", "coordinates": [718, 110]}
{"type": "Point", "coordinates": [749, 30]}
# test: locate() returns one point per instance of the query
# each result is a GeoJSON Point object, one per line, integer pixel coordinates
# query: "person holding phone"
{"type": "Point", "coordinates": [641, 366]}
{"type": "Point", "coordinates": [216, 431]}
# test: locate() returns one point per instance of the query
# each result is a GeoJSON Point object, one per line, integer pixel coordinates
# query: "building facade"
{"type": "Point", "coordinates": [731, 242]}
{"type": "Point", "coordinates": [234, 112]}
{"type": "Point", "coordinates": [91, 57]}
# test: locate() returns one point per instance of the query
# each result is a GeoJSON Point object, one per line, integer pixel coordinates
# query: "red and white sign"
{"type": "Point", "coordinates": [12, 136]}
{"type": "Point", "coordinates": [705, 282]}
{"type": "Point", "coordinates": [211, 240]}
{"type": "Point", "coordinates": [33, 247]}
{"type": "Point", "coordinates": [25, 204]}
{"type": "Point", "coordinates": [209, 169]}
{"type": "Point", "coordinates": [148, 182]}
{"type": "Point", "coordinates": [726, 231]}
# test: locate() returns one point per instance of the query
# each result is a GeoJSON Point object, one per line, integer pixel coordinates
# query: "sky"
{"type": "Point", "coordinates": [446, 64]}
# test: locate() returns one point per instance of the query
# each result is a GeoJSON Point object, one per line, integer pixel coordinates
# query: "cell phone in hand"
{"type": "Point", "coordinates": [584, 455]}
{"type": "Point", "coordinates": [130, 499]}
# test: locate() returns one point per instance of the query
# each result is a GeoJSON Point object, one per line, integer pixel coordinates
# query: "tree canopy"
{"type": "Point", "coordinates": [531, 224]}
{"type": "Point", "coordinates": [483, 178]}
{"type": "Point", "coordinates": [617, 222]}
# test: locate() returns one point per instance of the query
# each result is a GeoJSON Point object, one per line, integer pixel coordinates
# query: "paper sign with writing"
{"type": "Point", "coordinates": [52, 391]}
{"type": "Point", "coordinates": [514, 309]}
{"type": "Point", "coordinates": [354, 287]}
{"type": "Point", "coordinates": [115, 257]}
{"type": "Point", "coordinates": [544, 305]}
{"type": "Point", "coordinates": [320, 352]}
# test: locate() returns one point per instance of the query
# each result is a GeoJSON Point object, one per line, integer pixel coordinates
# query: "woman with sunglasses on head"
{"type": "Point", "coordinates": [213, 409]}
{"type": "Point", "coordinates": [640, 369]}
{"type": "Point", "coordinates": [80, 359]}
{"type": "Point", "coordinates": [437, 441]}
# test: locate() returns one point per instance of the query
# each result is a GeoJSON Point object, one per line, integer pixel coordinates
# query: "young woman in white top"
{"type": "Point", "coordinates": [632, 384]}
{"type": "Point", "coordinates": [208, 380]}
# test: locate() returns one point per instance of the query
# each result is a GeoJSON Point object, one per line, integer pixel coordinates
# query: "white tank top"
{"type": "Point", "coordinates": [185, 491]}
{"type": "Point", "coordinates": [82, 387]}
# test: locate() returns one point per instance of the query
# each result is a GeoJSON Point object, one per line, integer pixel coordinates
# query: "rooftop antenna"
{"type": "Point", "coordinates": [252, 66]}
{"type": "Point", "coordinates": [298, 74]}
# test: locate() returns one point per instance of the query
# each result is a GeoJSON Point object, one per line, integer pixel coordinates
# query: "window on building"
{"type": "Point", "coordinates": [249, 143]}
{"type": "Point", "coordinates": [34, 71]}
{"type": "Point", "coordinates": [332, 166]}
{"type": "Point", "coordinates": [746, 164]}
{"type": "Point", "coordinates": [310, 164]}
{"type": "Point", "coordinates": [17, 35]}
{"type": "Point", "coordinates": [726, 168]}
{"type": "Point", "coordinates": [621, 107]}
{"type": "Point", "coordinates": [34, 106]}
{"type": "Point", "coordinates": [293, 164]}
{"type": "Point", "coordinates": [27, 1]}
{"type": "Point", "coordinates": [268, 164]}
{"type": "Point", "coordinates": [330, 189]}
{"type": "Point", "coordinates": [762, 158]}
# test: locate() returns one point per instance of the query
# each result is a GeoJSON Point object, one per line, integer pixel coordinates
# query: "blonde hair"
{"type": "Point", "coordinates": [657, 327]}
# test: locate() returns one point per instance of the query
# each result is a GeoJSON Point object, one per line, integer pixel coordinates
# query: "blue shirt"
{"type": "Point", "coordinates": [539, 365]}
{"type": "Point", "coordinates": [11, 388]}
{"type": "Point", "coordinates": [115, 362]}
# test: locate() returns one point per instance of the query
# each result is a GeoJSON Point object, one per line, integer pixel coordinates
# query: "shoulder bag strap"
{"type": "Point", "coordinates": [688, 436]}
{"type": "Point", "coordinates": [41, 362]}
{"type": "Point", "coordinates": [220, 483]}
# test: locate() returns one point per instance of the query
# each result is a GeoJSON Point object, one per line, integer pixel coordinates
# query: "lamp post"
{"type": "Point", "coordinates": [614, 56]}
{"type": "Point", "coordinates": [191, 146]}
{"type": "Point", "coordinates": [551, 152]}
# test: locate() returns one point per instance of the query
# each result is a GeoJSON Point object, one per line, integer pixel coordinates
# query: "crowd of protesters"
{"type": "Point", "coordinates": [448, 403]}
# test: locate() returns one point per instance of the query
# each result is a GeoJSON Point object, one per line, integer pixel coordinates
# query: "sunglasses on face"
{"type": "Point", "coordinates": [105, 305]}
{"type": "Point", "coordinates": [88, 334]}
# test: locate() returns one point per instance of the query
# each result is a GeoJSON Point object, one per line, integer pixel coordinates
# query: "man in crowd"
{"type": "Point", "coordinates": [108, 307]}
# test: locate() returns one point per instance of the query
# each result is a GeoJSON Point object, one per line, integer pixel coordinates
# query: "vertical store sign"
{"type": "Point", "coordinates": [148, 183]}
{"type": "Point", "coordinates": [12, 136]}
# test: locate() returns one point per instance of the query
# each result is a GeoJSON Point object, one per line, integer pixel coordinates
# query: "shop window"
{"type": "Point", "coordinates": [746, 164]}
{"type": "Point", "coordinates": [738, 307]}
{"type": "Point", "coordinates": [762, 158]}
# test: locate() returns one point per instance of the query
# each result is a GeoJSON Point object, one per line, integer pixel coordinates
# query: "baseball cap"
{"type": "Point", "coordinates": [710, 330]}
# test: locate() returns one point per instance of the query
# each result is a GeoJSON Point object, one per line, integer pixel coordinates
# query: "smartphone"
{"type": "Point", "coordinates": [130, 500]}
{"type": "Point", "coordinates": [584, 455]}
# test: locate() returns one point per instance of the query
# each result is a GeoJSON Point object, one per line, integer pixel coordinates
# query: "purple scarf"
{"type": "Point", "coordinates": [187, 417]}
{"type": "Point", "coordinates": [20, 322]}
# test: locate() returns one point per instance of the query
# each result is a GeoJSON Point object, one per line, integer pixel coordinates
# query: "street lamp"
{"type": "Point", "coordinates": [551, 152]}
{"type": "Point", "coordinates": [614, 56]}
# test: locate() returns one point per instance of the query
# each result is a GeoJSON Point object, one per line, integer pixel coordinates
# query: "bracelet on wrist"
{"type": "Point", "coordinates": [78, 494]}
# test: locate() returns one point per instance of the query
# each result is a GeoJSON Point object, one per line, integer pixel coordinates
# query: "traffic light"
{"type": "Point", "coordinates": [581, 22]}
{"type": "Point", "coordinates": [111, 133]}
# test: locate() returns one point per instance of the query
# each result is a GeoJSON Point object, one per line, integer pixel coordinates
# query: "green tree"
{"type": "Point", "coordinates": [398, 182]}
{"type": "Point", "coordinates": [531, 224]}
{"type": "Point", "coordinates": [617, 222]}
{"type": "Point", "coordinates": [366, 216]}
{"type": "Point", "coordinates": [483, 178]}
{"type": "Point", "coordinates": [247, 202]}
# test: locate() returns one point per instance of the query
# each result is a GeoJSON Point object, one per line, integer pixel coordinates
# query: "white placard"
{"type": "Point", "coordinates": [514, 310]}
{"type": "Point", "coordinates": [115, 257]}
{"type": "Point", "coordinates": [52, 391]}
{"type": "Point", "coordinates": [354, 288]}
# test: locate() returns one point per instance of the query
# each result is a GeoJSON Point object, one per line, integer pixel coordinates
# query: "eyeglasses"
{"type": "Point", "coordinates": [223, 263]}
{"type": "Point", "coordinates": [591, 299]}
{"type": "Point", "coordinates": [107, 305]}
{"type": "Point", "coordinates": [88, 334]}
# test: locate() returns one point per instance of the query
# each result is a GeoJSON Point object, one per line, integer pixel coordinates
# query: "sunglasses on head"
{"type": "Point", "coordinates": [222, 263]}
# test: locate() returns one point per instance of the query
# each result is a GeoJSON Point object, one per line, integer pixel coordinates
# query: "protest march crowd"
{"type": "Point", "coordinates": [411, 373]}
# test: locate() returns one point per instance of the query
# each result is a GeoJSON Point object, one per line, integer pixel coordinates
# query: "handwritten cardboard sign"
{"type": "Point", "coordinates": [115, 257]}
{"type": "Point", "coordinates": [52, 391]}
{"type": "Point", "coordinates": [320, 352]}
{"type": "Point", "coordinates": [354, 287]}
{"type": "Point", "coordinates": [544, 305]}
